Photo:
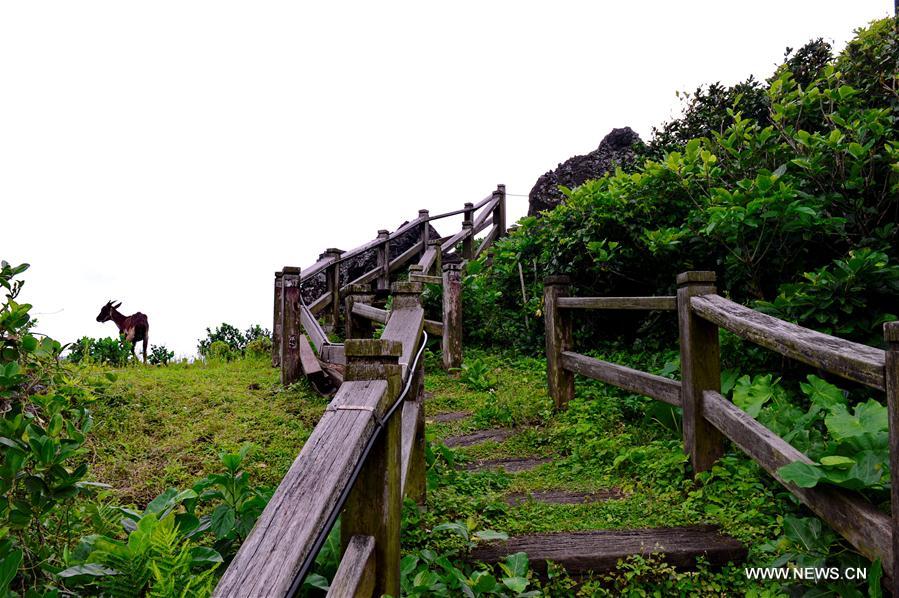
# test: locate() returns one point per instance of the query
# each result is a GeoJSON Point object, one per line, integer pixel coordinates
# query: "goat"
{"type": "Point", "coordinates": [135, 327]}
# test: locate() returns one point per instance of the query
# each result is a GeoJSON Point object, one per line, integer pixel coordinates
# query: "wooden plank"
{"type": "Point", "coordinates": [599, 551]}
{"type": "Point", "coordinates": [644, 383]}
{"type": "Point", "coordinates": [452, 241]}
{"type": "Point", "coordinates": [276, 323]}
{"type": "Point", "coordinates": [499, 212]}
{"type": "Point", "coordinates": [405, 326]}
{"type": "Point", "coordinates": [648, 303]}
{"type": "Point", "coordinates": [427, 260]}
{"type": "Point", "coordinates": [270, 558]}
{"type": "Point", "coordinates": [411, 413]}
{"type": "Point", "coordinates": [558, 340]}
{"type": "Point", "coordinates": [355, 577]}
{"type": "Point", "coordinates": [316, 268]}
{"type": "Point", "coordinates": [312, 328]}
{"type": "Point", "coordinates": [401, 260]}
{"type": "Point", "coordinates": [483, 219]}
{"type": "Point", "coordinates": [700, 370]}
{"type": "Point", "coordinates": [853, 517]}
{"type": "Point", "coordinates": [407, 227]}
{"type": "Point", "coordinates": [891, 383]}
{"type": "Point", "coordinates": [363, 310]}
{"type": "Point", "coordinates": [852, 361]}
{"type": "Point", "coordinates": [383, 260]}
{"type": "Point", "coordinates": [333, 353]}
{"type": "Point", "coordinates": [491, 237]}
{"type": "Point", "coordinates": [364, 278]}
{"type": "Point", "coordinates": [308, 360]}
{"type": "Point", "coordinates": [321, 303]}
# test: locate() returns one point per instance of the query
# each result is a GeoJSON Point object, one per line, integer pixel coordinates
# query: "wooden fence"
{"type": "Point", "coordinates": [709, 418]}
{"type": "Point", "coordinates": [367, 451]}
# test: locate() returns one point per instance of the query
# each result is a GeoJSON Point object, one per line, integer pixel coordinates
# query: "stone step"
{"type": "Point", "coordinates": [494, 434]}
{"type": "Point", "coordinates": [509, 465]}
{"type": "Point", "coordinates": [564, 497]}
{"type": "Point", "coordinates": [452, 416]}
{"type": "Point", "coordinates": [599, 551]}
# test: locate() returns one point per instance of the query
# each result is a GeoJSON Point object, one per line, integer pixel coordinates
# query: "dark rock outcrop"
{"type": "Point", "coordinates": [616, 149]}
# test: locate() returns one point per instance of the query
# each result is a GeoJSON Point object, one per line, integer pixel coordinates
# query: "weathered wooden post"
{"type": "Point", "coordinates": [891, 371]}
{"type": "Point", "coordinates": [425, 233]}
{"type": "Point", "coordinates": [438, 261]}
{"type": "Point", "coordinates": [290, 325]}
{"type": "Point", "coordinates": [332, 278]}
{"type": "Point", "coordinates": [384, 260]}
{"type": "Point", "coordinates": [407, 296]}
{"type": "Point", "coordinates": [558, 339]}
{"type": "Point", "coordinates": [499, 212]}
{"type": "Point", "coordinates": [467, 242]}
{"type": "Point", "coordinates": [355, 326]}
{"type": "Point", "coordinates": [276, 323]}
{"type": "Point", "coordinates": [469, 212]}
{"type": "Point", "coordinates": [700, 368]}
{"type": "Point", "coordinates": [374, 505]}
{"type": "Point", "coordinates": [451, 343]}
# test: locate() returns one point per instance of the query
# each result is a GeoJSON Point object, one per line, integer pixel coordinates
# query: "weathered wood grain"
{"type": "Point", "coordinates": [276, 323]}
{"type": "Point", "coordinates": [700, 366]}
{"type": "Point", "coordinates": [891, 384]}
{"type": "Point", "coordinates": [499, 212]}
{"type": "Point", "coordinates": [405, 326]}
{"type": "Point", "coordinates": [487, 241]}
{"type": "Point", "coordinates": [315, 268]}
{"type": "Point", "coordinates": [321, 303]}
{"type": "Point", "coordinates": [423, 278]}
{"type": "Point", "coordinates": [291, 313]}
{"type": "Point", "coordinates": [355, 577]}
{"type": "Point", "coordinates": [308, 360]}
{"type": "Point", "coordinates": [375, 314]}
{"type": "Point", "coordinates": [429, 256]}
{"type": "Point", "coordinates": [332, 278]}
{"type": "Point", "coordinates": [852, 361]}
{"type": "Point", "coordinates": [644, 303]}
{"type": "Point", "coordinates": [413, 450]}
{"type": "Point", "coordinates": [650, 385]}
{"type": "Point", "coordinates": [850, 515]}
{"type": "Point", "coordinates": [451, 339]}
{"type": "Point", "coordinates": [452, 241]}
{"type": "Point", "coordinates": [269, 559]}
{"type": "Point", "coordinates": [481, 221]}
{"type": "Point", "coordinates": [467, 242]}
{"type": "Point", "coordinates": [558, 340]}
{"type": "Point", "coordinates": [384, 260]}
{"type": "Point", "coordinates": [405, 257]}
{"type": "Point", "coordinates": [599, 551]}
{"type": "Point", "coordinates": [333, 354]}
{"type": "Point", "coordinates": [355, 326]}
{"type": "Point", "coordinates": [312, 328]}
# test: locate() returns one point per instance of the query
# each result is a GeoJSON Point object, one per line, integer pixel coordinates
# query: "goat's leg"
{"type": "Point", "coordinates": [146, 340]}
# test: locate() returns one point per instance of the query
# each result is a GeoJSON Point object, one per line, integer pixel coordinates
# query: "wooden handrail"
{"type": "Point", "coordinates": [356, 574]}
{"type": "Point", "coordinates": [268, 561]}
{"type": "Point", "coordinates": [382, 315]}
{"type": "Point", "coordinates": [482, 220]}
{"type": "Point", "coordinates": [665, 303]}
{"type": "Point", "coordinates": [852, 361]}
{"type": "Point", "coordinates": [644, 383]}
{"type": "Point", "coordinates": [850, 515]}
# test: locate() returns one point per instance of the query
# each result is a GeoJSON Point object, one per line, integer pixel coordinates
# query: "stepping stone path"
{"type": "Point", "coordinates": [453, 416]}
{"type": "Point", "coordinates": [600, 551]}
{"type": "Point", "coordinates": [510, 465]}
{"type": "Point", "coordinates": [564, 497]}
{"type": "Point", "coordinates": [496, 435]}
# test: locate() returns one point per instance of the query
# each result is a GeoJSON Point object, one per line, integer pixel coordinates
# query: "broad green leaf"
{"type": "Point", "coordinates": [802, 474]}
{"type": "Point", "coordinates": [516, 584]}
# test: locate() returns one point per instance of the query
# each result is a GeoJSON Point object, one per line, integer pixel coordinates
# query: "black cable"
{"type": "Point", "coordinates": [345, 493]}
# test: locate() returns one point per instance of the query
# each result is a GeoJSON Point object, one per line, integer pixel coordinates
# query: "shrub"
{"type": "Point", "coordinates": [259, 347]}
{"type": "Point", "coordinates": [160, 355]}
{"type": "Point", "coordinates": [220, 350]}
{"type": "Point", "coordinates": [110, 351]}
{"type": "Point", "coordinates": [231, 336]}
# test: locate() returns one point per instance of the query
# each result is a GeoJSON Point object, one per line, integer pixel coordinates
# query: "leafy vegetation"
{"type": "Point", "coordinates": [109, 351]}
{"type": "Point", "coordinates": [231, 341]}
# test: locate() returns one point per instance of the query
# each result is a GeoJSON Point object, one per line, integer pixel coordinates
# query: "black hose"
{"type": "Point", "coordinates": [345, 493]}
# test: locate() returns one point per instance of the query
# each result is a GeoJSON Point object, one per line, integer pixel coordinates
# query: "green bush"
{"type": "Point", "coordinates": [260, 347]}
{"type": "Point", "coordinates": [160, 355]}
{"type": "Point", "coordinates": [233, 338]}
{"type": "Point", "coordinates": [796, 212]}
{"type": "Point", "coordinates": [220, 350]}
{"type": "Point", "coordinates": [110, 351]}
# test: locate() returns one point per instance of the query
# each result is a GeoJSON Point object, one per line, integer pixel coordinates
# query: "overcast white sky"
{"type": "Point", "coordinates": [173, 155]}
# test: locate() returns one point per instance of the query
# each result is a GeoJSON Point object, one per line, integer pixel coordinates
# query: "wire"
{"type": "Point", "coordinates": [380, 425]}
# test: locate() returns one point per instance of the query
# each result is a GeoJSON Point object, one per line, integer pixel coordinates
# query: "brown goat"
{"type": "Point", "coordinates": [135, 327]}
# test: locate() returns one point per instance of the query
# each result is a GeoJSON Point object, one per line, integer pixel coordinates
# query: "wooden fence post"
{"type": "Point", "coordinates": [700, 368]}
{"type": "Point", "coordinates": [891, 336]}
{"type": "Point", "coordinates": [276, 323]}
{"type": "Point", "coordinates": [558, 339]}
{"type": "Point", "coordinates": [354, 326]}
{"type": "Point", "coordinates": [499, 212]}
{"type": "Point", "coordinates": [469, 212]}
{"type": "Point", "coordinates": [384, 260]}
{"type": "Point", "coordinates": [374, 505]}
{"type": "Point", "coordinates": [467, 242]}
{"type": "Point", "coordinates": [438, 261]}
{"type": "Point", "coordinates": [290, 325]}
{"type": "Point", "coordinates": [425, 235]}
{"type": "Point", "coordinates": [451, 343]}
{"type": "Point", "coordinates": [332, 278]}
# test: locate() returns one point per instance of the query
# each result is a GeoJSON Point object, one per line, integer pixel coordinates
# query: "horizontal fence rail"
{"type": "Point", "coordinates": [709, 418]}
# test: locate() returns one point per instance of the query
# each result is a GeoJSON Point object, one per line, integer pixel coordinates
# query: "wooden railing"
{"type": "Point", "coordinates": [709, 418]}
{"type": "Point", "coordinates": [367, 451]}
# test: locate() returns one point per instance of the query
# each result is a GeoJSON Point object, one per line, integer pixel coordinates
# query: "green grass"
{"type": "Point", "coordinates": [159, 427]}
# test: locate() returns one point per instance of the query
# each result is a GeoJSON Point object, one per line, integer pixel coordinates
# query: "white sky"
{"type": "Point", "coordinates": [173, 155]}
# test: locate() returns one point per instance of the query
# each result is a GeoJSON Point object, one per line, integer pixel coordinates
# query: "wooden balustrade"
{"type": "Point", "coordinates": [709, 418]}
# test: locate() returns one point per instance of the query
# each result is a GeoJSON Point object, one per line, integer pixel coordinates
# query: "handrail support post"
{"type": "Point", "coordinates": [891, 383]}
{"type": "Point", "coordinates": [558, 339]}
